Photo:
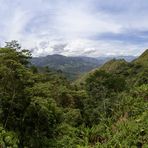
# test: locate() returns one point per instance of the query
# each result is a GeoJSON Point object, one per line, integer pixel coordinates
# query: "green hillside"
{"type": "Point", "coordinates": [72, 67]}
{"type": "Point", "coordinates": [113, 65]}
{"type": "Point", "coordinates": [136, 67]}
{"type": "Point", "coordinates": [39, 108]}
{"type": "Point", "coordinates": [142, 59]}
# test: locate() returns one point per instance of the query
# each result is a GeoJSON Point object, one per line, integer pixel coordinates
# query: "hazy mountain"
{"type": "Point", "coordinates": [70, 66]}
{"type": "Point", "coordinates": [73, 67]}
{"type": "Point", "coordinates": [126, 58]}
{"type": "Point", "coordinates": [143, 59]}
{"type": "Point", "coordinates": [136, 67]}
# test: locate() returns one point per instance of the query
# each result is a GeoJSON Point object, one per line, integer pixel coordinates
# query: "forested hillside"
{"type": "Point", "coordinates": [44, 110]}
{"type": "Point", "coordinates": [71, 67]}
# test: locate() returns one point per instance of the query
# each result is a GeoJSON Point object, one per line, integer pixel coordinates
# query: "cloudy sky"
{"type": "Point", "coordinates": [76, 27]}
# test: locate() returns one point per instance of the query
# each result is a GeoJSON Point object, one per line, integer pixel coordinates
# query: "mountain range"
{"type": "Point", "coordinates": [73, 67]}
{"type": "Point", "coordinates": [137, 67]}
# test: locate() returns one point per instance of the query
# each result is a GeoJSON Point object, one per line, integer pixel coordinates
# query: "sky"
{"type": "Point", "coordinates": [76, 27]}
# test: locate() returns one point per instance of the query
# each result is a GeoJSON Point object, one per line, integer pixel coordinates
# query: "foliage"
{"type": "Point", "coordinates": [71, 67]}
{"type": "Point", "coordinates": [8, 138]}
{"type": "Point", "coordinates": [39, 108]}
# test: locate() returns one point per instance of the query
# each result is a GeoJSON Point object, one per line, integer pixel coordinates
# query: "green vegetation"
{"type": "Point", "coordinates": [71, 67]}
{"type": "Point", "coordinates": [143, 59]}
{"type": "Point", "coordinates": [39, 108]}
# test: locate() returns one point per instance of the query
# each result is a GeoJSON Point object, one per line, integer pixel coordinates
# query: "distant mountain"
{"type": "Point", "coordinates": [114, 65]}
{"type": "Point", "coordinates": [126, 58]}
{"type": "Point", "coordinates": [135, 68]}
{"type": "Point", "coordinates": [72, 67]}
{"type": "Point", "coordinates": [143, 59]}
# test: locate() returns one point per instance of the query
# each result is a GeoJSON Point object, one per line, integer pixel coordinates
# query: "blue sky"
{"type": "Point", "coordinates": [76, 27]}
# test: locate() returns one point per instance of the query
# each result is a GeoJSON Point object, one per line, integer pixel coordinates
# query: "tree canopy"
{"type": "Point", "coordinates": [40, 108]}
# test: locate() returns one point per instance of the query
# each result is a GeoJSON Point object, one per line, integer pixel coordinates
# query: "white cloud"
{"type": "Point", "coordinates": [43, 24]}
{"type": "Point", "coordinates": [90, 48]}
{"type": "Point", "coordinates": [15, 26]}
{"type": "Point", "coordinates": [101, 48]}
{"type": "Point", "coordinates": [74, 23]}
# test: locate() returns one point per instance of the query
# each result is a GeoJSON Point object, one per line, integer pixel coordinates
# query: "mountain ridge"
{"type": "Point", "coordinates": [71, 66]}
{"type": "Point", "coordinates": [120, 66]}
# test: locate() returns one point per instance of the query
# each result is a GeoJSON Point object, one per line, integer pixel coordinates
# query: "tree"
{"type": "Point", "coordinates": [23, 55]}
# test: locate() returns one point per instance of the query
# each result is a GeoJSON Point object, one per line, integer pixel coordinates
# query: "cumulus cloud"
{"type": "Point", "coordinates": [86, 27]}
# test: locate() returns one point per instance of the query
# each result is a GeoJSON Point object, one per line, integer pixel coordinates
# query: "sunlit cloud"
{"type": "Point", "coordinates": [86, 27]}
